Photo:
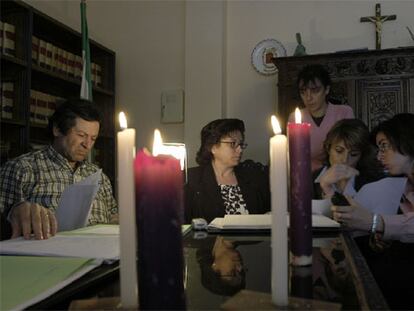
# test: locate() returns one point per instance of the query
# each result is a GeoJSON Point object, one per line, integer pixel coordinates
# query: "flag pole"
{"type": "Point", "coordinates": [86, 85]}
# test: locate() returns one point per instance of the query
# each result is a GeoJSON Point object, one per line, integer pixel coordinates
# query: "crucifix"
{"type": "Point", "coordinates": [378, 20]}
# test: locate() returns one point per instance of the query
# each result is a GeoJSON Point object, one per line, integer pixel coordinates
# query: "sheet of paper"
{"type": "Point", "coordinates": [102, 229]}
{"type": "Point", "coordinates": [75, 203]}
{"type": "Point", "coordinates": [27, 280]}
{"type": "Point", "coordinates": [85, 246]}
{"type": "Point", "coordinates": [382, 196]}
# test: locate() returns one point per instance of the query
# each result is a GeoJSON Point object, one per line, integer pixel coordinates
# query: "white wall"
{"type": "Point", "coordinates": [205, 47]}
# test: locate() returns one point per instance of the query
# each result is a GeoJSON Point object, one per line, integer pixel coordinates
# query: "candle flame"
{"type": "Point", "coordinates": [275, 125]}
{"type": "Point", "coordinates": [178, 151]}
{"type": "Point", "coordinates": [298, 116]}
{"type": "Point", "coordinates": [122, 120]}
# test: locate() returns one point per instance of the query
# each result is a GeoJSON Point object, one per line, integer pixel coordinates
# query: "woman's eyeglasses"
{"type": "Point", "coordinates": [235, 144]}
{"type": "Point", "coordinates": [383, 147]}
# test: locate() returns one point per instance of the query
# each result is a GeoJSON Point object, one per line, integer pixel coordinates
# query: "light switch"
{"type": "Point", "coordinates": [172, 106]}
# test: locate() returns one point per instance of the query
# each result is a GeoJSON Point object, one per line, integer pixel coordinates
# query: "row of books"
{"type": "Point", "coordinates": [51, 57]}
{"type": "Point", "coordinates": [8, 38]}
{"type": "Point", "coordinates": [42, 106]}
{"type": "Point", "coordinates": [7, 100]}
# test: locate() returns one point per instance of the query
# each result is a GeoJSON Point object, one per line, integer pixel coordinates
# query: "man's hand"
{"type": "Point", "coordinates": [29, 217]}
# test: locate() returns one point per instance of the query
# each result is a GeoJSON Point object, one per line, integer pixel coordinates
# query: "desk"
{"type": "Point", "coordinates": [338, 274]}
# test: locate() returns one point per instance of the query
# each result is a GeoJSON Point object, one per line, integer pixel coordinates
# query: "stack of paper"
{"type": "Point", "coordinates": [262, 222]}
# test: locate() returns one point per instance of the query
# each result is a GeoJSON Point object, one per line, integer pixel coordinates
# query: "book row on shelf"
{"type": "Point", "coordinates": [48, 55]}
{"type": "Point", "coordinates": [42, 106]}
{"type": "Point", "coordinates": [53, 58]}
{"type": "Point", "coordinates": [7, 38]}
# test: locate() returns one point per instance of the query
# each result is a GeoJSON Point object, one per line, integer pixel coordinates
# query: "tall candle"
{"type": "Point", "coordinates": [159, 202]}
{"type": "Point", "coordinates": [127, 223]}
{"type": "Point", "coordinates": [279, 190]}
{"type": "Point", "coordinates": [300, 192]}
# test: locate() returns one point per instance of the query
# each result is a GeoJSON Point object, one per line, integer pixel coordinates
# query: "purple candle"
{"type": "Point", "coordinates": [159, 204]}
{"type": "Point", "coordinates": [300, 192]}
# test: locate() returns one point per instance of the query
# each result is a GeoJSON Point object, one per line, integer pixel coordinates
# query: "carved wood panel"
{"type": "Point", "coordinates": [376, 84]}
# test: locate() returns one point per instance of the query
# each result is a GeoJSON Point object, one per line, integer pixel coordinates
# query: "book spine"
{"type": "Point", "coordinates": [33, 105]}
{"type": "Point", "coordinates": [41, 111]}
{"type": "Point", "coordinates": [7, 100]}
{"type": "Point", "coordinates": [42, 53]}
{"type": "Point", "coordinates": [35, 50]}
{"type": "Point", "coordinates": [49, 55]}
{"type": "Point", "coordinates": [9, 39]}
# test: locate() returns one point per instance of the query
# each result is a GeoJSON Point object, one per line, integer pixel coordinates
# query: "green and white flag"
{"type": "Point", "coordinates": [86, 86]}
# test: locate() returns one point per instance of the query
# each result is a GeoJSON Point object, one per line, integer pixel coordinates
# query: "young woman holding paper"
{"type": "Point", "coordinates": [221, 184]}
{"type": "Point", "coordinates": [392, 268]}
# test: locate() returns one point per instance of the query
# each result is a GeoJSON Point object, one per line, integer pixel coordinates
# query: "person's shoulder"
{"type": "Point", "coordinates": [252, 169]}
{"type": "Point", "coordinates": [342, 110]}
{"type": "Point", "coordinates": [196, 171]}
{"type": "Point", "coordinates": [26, 159]}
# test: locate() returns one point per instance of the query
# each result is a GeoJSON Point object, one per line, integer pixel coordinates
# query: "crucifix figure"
{"type": "Point", "coordinates": [378, 20]}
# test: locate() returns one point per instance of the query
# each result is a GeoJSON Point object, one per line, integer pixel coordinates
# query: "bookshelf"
{"type": "Point", "coordinates": [41, 66]}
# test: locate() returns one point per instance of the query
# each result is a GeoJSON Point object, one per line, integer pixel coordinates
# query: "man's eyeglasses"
{"type": "Point", "coordinates": [383, 147]}
{"type": "Point", "coordinates": [235, 144]}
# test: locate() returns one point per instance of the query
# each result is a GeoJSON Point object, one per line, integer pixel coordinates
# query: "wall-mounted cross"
{"type": "Point", "coordinates": [378, 20]}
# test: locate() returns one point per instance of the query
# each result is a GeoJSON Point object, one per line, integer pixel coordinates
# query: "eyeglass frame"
{"type": "Point", "coordinates": [234, 144]}
{"type": "Point", "coordinates": [384, 147]}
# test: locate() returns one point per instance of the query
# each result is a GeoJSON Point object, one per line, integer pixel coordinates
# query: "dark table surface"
{"type": "Point", "coordinates": [338, 274]}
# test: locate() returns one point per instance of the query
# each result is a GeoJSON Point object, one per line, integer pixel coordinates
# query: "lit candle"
{"type": "Point", "coordinates": [159, 202]}
{"type": "Point", "coordinates": [176, 150]}
{"type": "Point", "coordinates": [300, 192]}
{"type": "Point", "coordinates": [279, 190]}
{"type": "Point", "coordinates": [127, 222]}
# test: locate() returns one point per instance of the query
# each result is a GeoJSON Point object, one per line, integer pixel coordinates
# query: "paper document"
{"type": "Point", "coordinates": [382, 196]}
{"type": "Point", "coordinates": [262, 222]}
{"type": "Point", "coordinates": [28, 280]}
{"type": "Point", "coordinates": [86, 246]}
{"type": "Point", "coordinates": [76, 201]}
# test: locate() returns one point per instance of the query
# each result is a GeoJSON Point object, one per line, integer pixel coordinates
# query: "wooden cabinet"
{"type": "Point", "coordinates": [55, 76]}
{"type": "Point", "coordinates": [376, 84]}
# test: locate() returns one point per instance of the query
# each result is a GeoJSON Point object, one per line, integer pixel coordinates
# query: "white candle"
{"type": "Point", "coordinates": [127, 220]}
{"type": "Point", "coordinates": [279, 194]}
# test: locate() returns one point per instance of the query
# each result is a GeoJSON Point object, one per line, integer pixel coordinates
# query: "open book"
{"type": "Point", "coordinates": [262, 222]}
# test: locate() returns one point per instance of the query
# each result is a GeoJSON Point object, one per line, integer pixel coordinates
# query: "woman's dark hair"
{"type": "Point", "coordinates": [64, 118]}
{"type": "Point", "coordinates": [210, 279]}
{"type": "Point", "coordinates": [211, 135]}
{"type": "Point", "coordinates": [355, 135]}
{"type": "Point", "coordinates": [310, 73]}
{"type": "Point", "coordinates": [400, 132]}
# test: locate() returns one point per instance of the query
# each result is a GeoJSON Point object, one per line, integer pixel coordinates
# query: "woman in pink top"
{"type": "Point", "coordinates": [314, 85]}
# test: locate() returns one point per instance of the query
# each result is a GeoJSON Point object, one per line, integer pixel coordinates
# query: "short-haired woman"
{"type": "Point", "coordinates": [220, 185]}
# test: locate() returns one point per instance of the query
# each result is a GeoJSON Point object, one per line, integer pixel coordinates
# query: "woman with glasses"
{"type": "Point", "coordinates": [314, 85]}
{"type": "Point", "coordinates": [351, 160]}
{"type": "Point", "coordinates": [221, 184]}
{"type": "Point", "coordinates": [393, 268]}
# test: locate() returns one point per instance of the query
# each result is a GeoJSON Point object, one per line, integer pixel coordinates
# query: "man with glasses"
{"type": "Point", "coordinates": [221, 184]}
{"type": "Point", "coordinates": [314, 86]}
